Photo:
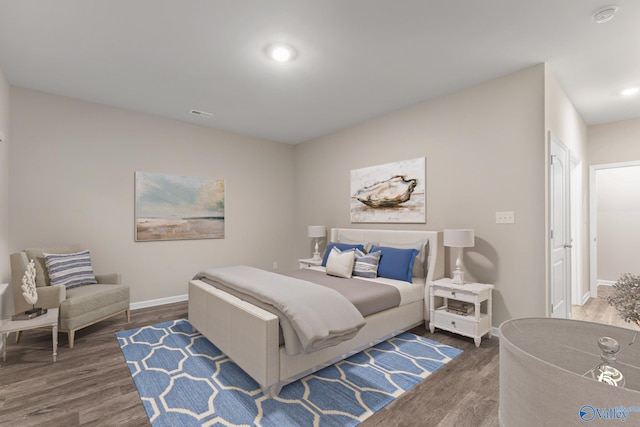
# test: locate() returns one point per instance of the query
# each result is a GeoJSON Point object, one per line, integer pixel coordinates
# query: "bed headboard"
{"type": "Point", "coordinates": [435, 259]}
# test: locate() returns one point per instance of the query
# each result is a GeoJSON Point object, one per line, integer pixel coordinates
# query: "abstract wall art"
{"type": "Point", "coordinates": [393, 192]}
{"type": "Point", "coordinates": [172, 207]}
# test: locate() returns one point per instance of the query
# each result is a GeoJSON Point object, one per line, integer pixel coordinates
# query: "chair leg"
{"type": "Point", "coordinates": [128, 313]}
{"type": "Point", "coordinates": [18, 335]}
{"type": "Point", "coordinates": [71, 336]}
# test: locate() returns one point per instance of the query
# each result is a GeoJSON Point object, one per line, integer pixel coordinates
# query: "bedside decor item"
{"type": "Point", "coordinates": [29, 293]}
{"type": "Point", "coordinates": [172, 207]}
{"type": "Point", "coordinates": [316, 231]}
{"type": "Point", "coordinates": [393, 192]}
{"type": "Point", "coordinates": [459, 238]}
{"type": "Point", "coordinates": [626, 298]}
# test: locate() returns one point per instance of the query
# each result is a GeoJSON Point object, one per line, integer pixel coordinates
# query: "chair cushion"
{"type": "Point", "coordinates": [92, 300]}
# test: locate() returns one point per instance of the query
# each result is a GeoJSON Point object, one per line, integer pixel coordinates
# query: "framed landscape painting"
{"type": "Point", "coordinates": [389, 193]}
{"type": "Point", "coordinates": [172, 207]}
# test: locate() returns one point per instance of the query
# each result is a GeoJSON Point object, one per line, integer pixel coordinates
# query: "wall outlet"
{"type": "Point", "coordinates": [505, 217]}
{"type": "Point", "coordinates": [275, 265]}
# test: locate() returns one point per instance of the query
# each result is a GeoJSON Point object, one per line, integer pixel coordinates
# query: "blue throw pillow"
{"type": "Point", "coordinates": [342, 246]}
{"type": "Point", "coordinates": [396, 263]}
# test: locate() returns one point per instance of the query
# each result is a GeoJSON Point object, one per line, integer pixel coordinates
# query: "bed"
{"type": "Point", "coordinates": [251, 336]}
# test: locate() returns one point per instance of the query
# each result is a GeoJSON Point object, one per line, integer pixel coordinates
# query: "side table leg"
{"type": "Point", "coordinates": [54, 333]}
{"type": "Point", "coordinates": [432, 327]}
{"type": "Point", "coordinates": [477, 341]}
{"type": "Point", "coordinates": [4, 346]}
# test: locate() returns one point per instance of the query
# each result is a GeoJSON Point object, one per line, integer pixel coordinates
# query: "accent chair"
{"type": "Point", "coordinates": [80, 306]}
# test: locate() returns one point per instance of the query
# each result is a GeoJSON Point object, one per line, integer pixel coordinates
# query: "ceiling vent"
{"type": "Point", "coordinates": [201, 114]}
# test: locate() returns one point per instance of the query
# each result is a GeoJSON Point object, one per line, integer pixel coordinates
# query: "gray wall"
{"type": "Point", "coordinates": [614, 142]}
{"type": "Point", "coordinates": [618, 198]}
{"type": "Point", "coordinates": [72, 167]}
{"type": "Point", "coordinates": [485, 150]}
{"type": "Point", "coordinates": [618, 193]}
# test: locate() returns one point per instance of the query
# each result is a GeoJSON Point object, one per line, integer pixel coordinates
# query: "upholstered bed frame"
{"type": "Point", "coordinates": [249, 335]}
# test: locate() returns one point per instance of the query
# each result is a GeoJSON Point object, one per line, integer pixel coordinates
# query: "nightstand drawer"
{"type": "Point", "coordinates": [453, 294]}
{"type": "Point", "coordinates": [455, 323]}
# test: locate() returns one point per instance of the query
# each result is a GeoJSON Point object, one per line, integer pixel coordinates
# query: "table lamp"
{"type": "Point", "coordinates": [316, 231]}
{"type": "Point", "coordinates": [459, 238]}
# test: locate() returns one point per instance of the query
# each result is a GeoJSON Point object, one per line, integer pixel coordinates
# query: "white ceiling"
{"type": "Point", "coordinates": [358, 59]}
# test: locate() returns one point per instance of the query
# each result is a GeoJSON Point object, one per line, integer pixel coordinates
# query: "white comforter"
{"type": "Point", "coordinates": [312, 317]}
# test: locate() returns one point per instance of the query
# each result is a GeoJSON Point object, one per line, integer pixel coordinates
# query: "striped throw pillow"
{"type": "Point", "coordinates": [366, 265]}
{"type": "Point", "coordinates": [70, 269]}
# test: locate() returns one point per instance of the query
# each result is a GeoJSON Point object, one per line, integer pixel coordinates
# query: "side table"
{"type": "Point", "coordinates": [473, 325]}
{"type": "Point", "coordinates": [49, 320]}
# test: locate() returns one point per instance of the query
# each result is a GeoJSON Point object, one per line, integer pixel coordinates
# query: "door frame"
{"type": "Point", "coordinates": [575, 196]}
{"type": "Point", "coordinates": [593, 220]}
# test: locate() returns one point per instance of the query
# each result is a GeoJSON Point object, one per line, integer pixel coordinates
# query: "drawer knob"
{"type": "Point", "coordinates": [453, 293]}
{"type": "Point", "coordinates": [453, 322]}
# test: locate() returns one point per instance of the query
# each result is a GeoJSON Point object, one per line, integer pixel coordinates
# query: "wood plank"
{"type": "Point", "coordinates": [91, 384]}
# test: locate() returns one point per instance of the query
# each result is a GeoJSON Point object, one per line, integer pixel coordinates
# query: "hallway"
{"type": "Point", "coordinates": [599, 311]}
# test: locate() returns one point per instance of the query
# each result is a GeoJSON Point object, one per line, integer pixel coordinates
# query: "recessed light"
{"type": "Point", "coordinates": [281, 52]}
{"type": "Point", "coordinates": [629, 91]}
{"type": "Point", "coordinates": [605, 14]}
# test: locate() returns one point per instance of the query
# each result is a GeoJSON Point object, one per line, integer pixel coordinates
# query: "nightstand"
{"type": "Point", "coordinates": [309, 262]}
{"type": "Point", "coordinates": [470, 296]}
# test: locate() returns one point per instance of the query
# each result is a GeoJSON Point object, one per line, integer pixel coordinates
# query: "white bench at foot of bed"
{"type": "Point", "coordinates": [249, 335]}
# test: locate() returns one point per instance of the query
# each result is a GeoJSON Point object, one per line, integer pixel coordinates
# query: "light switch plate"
{"type": "Point", "coordinates": [505, 217]}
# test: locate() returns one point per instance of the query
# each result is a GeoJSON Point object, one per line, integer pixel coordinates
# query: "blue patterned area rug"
{"type": "Point", "coordinates": [184, 380]}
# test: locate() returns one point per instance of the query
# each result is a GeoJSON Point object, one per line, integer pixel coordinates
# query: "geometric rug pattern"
{"type": "Point", "coordinates": [184, 380]}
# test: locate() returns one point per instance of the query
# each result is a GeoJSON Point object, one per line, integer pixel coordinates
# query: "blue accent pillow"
{"type": "Point", "coordinates": [342, 246]}
{"type": "Point", "coordinates": [396, 263]}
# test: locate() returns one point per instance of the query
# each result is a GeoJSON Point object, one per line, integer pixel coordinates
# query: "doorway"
{"type": "Point", "coordinates": [614, 194]}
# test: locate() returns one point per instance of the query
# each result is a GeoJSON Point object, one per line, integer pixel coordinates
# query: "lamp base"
{"type": "Point", "coordinates": [316, 256]}
{"type": "Point", "coordinates": [458, 277]}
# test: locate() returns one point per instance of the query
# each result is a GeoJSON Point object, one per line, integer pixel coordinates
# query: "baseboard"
{"type": "Point", "coordinates": [605, 282]}
{"type": "Point", "coordinates": [157, 302]}
{"type": "Point", "coordinates": [585, 298]}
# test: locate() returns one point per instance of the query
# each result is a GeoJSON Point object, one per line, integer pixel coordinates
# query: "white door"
{"type": "Point", "coordinates": [560, 231]}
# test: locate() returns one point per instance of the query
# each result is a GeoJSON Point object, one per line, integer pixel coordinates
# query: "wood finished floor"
{"type": "Point", "coordinates": [90, 385]}
{"type": "Point", "coordinates": [599, 311]}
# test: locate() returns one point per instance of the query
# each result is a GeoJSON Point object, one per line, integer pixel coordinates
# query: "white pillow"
{"type": "Point", "coordinates": [340, 263]}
